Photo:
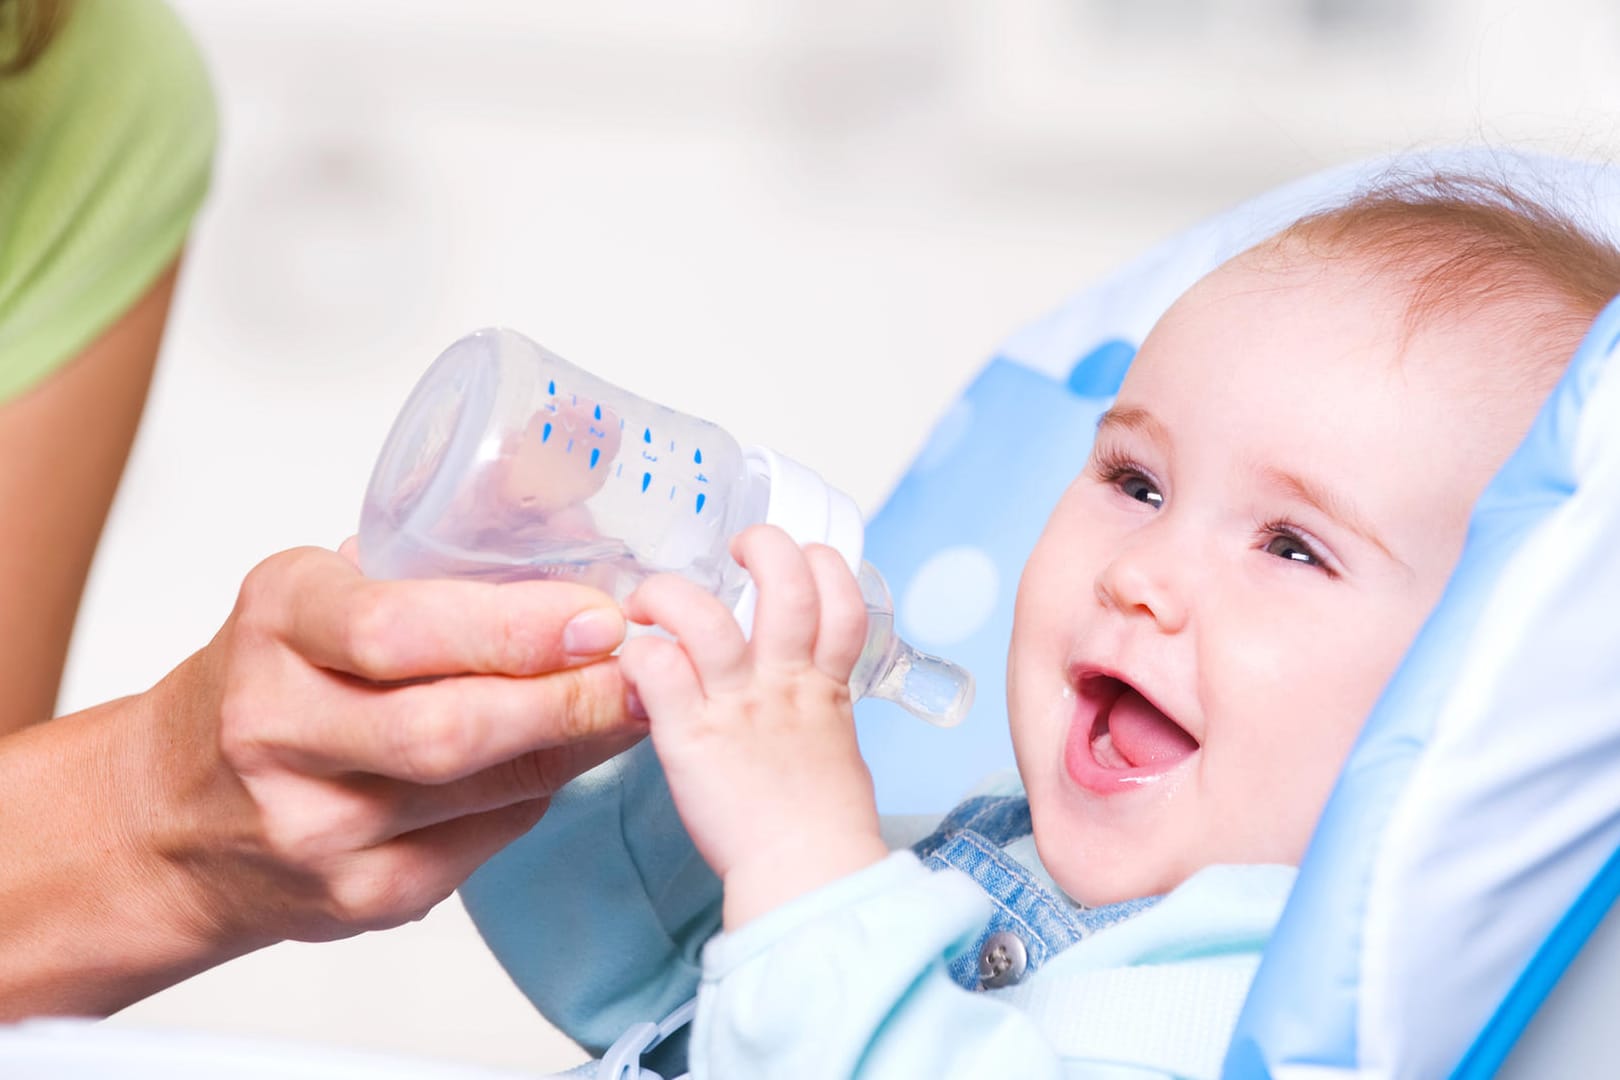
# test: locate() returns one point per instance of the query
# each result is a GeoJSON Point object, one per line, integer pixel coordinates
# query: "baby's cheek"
{"type": "Point", "coordinates": [1297, 694]}
{"type": "Point", "coordinates": [1251, 660]}
{"type": "Point", "coordinates": [1288, 695]}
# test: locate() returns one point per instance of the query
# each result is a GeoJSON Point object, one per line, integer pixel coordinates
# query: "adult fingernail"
{"type": "Point", "coordinates": [633, 705]}
{"type": "Point", "coordinates": [593, 632]}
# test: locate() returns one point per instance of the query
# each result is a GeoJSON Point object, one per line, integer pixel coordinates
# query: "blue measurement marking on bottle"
{"type": "Point", "coordinates": [646, 478]}
{"type": "Point", "coordinates": [569, 449]}
{"type": "Point", "coordinates": [671, 494]}
{"type": "Point", "coordinates": [646, 435]}
{"type": "Point", "coordinates": [596, 453]}
{"type": "Point", "coordinates": [551, 387]}
{"type": "Point", "coordinates": [672, 446]}
{"type": "Point", "coordinates": [700, 478]}
{"type": "Point", "coordinates": [697, 456]}
{"type": "Point", "coordinates": [545, 433]}
{"type": "Point", "coordinates": [598, 412]}
{"type": "Point", "coordinates": [700, 501]}
{"type": "Point", "coordinates": [619, 471]}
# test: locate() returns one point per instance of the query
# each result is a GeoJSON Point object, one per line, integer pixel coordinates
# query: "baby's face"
{"type": "Point", "coordinates": [1274, 504]}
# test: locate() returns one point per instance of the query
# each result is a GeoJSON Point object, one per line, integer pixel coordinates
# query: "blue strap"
{"type": "Point", "coordinates": [1499, 1036]}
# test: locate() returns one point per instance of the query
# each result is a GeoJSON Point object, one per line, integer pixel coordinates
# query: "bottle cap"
{"type": "Point", "coordinates": [807, 508]}
{"type": "Point", "coordinates": [811, 511]}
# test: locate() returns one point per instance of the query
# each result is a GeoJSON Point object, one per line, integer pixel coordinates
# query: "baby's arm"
{"type": "Point", "coordinates": [833, 962]}
{"type": "Point", "coordinates": [757, 738]}
{"type": "Point", "coordinates": [599, 913]}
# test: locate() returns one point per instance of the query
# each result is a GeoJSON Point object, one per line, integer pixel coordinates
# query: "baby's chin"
{"type": "Point", "coordinates": [1115, 867]}
{"type": "Point", "coordinates": [1111, 871]}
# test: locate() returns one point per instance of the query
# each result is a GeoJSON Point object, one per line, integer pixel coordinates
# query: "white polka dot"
{"type": "Point", "coordinates": [951, 596]}
{"type": "Point", "coordinates": [947, 433]}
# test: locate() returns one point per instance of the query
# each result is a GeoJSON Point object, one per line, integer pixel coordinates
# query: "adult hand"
{"type": "Point", "coordinates": [339, 758]}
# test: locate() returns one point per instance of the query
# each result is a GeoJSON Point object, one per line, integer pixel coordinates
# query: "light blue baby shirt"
{"type": "Point", "coordinates": [853, 980]}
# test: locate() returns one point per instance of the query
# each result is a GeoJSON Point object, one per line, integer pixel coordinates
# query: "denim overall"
{"type": "Point", "coordinates": [973, 839]}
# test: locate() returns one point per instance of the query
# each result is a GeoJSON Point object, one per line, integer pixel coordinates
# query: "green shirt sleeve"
{"type": "Point", "coordinates": [106, 146]}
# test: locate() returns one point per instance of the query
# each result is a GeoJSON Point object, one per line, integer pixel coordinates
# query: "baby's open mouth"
{"type": "Point", "coordinates": [1130, 732]}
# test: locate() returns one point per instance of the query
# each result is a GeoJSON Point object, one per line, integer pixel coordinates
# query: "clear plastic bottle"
{"type": "Point", "coordinates": [508, 463]}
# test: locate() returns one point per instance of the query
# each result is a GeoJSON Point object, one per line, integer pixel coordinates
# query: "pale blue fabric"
{"type": "Point", "coordinates": [600, 916]}
{"type": "Point", "coordinates": [852, 981]}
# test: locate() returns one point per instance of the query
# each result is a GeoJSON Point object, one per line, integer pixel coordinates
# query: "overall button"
{"type": "Point", "coordinates": [1002, 960]}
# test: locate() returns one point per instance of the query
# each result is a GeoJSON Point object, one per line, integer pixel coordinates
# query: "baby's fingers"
{"type": "Point", "coordinates": [842, 634]}
{"type": "Point", "coordinates": [662, 676]}
{"type": "Point", "coordinates": [705, 627]}
{"type": "Point", "coordinates": [789, 606]}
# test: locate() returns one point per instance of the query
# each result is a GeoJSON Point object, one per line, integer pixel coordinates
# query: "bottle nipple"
{"type": "Point", "coordinates": [928, 687]}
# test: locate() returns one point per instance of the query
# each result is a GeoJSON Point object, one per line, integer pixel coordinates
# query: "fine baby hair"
{"type": "Point", "coordinates": [1470, 246]}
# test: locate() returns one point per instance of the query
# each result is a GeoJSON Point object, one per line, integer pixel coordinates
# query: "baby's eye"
{"type": "Point", "coordinates": [1125, 476]}
{"type": "Point", "coordinates": [1140, 488]}
{"type": "Point", "coordinates": [1285, 543]}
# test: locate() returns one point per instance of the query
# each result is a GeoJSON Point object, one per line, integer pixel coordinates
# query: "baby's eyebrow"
{"type": "Point", "coordinates": [1134, 419]}
{"type": "Point", "coordinates": [1328, 502]}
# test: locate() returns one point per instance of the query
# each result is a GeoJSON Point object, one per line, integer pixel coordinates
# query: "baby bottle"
{"type": "Point", "coordinates": [508, 463]}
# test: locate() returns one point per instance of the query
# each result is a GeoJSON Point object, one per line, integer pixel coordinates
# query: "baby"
{"type": "Point", "coordinates": [1273, 504]}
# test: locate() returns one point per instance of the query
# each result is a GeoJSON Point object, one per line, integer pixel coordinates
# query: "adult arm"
{"type": "Point", "coordinates": [337, 759]}
{"type": "Point", "coordinates": [62, 450]}
{"type": "Point", "coordinates": [107, 147]}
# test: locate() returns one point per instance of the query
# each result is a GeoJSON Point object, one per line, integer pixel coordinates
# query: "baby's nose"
{"type": "Point", "coordinates": [1145, 578]}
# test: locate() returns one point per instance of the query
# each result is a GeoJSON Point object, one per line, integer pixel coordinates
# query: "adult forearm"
{"type": "Point", "coordinates": [94, 914]}
{"type": "Point", "coordinates": [338, 759]}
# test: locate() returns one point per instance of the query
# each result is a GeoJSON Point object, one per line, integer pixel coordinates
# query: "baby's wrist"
{"type": "Point", "coordinates": [768, 879]}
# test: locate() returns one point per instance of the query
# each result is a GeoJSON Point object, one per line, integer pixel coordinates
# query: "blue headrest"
{"type": "Point", "coordinates": [1483, 798]}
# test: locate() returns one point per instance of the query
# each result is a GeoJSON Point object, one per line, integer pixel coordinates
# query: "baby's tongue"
{"type": "Point", "coordinates": [1142, 735]}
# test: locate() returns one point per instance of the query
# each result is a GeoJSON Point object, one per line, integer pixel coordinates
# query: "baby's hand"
{"type": "Point", "coordinates": [757, 737]}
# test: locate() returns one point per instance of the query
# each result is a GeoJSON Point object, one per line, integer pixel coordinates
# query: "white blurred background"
{"type": "Point", "coordinates": [808, 220]}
